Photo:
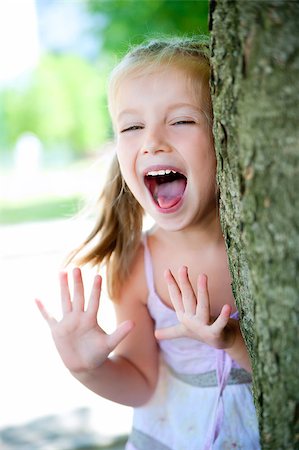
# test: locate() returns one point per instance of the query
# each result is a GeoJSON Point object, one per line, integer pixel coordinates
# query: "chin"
{"type": "Point", "coordinates": [170, 224]}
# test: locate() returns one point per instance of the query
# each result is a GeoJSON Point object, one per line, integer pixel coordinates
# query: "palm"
{"type": "Point", "coordinates": [80, 341]}
{"type": "Point", "coordinates": [193, 313]}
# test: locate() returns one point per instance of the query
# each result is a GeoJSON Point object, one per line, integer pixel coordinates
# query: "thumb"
{"type": "Point", "coordinates": [223, 318]}
{"type": "Point", "coordinates": [119, 334]}
{"type": "Point", "coordinates": [48, 318]}
{"type": "Point", "coordinates": [169, 332]}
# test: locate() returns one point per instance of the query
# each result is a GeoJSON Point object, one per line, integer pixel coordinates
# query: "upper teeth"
{"type": "Point", "coordinates": [154, 173]}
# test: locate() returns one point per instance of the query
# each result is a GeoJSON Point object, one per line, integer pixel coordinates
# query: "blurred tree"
{"type": "Point", "coordinates": [130, 21]}
{"type": "Point", "coordinates": [63, 103]}
{"type": "Point", "coordinates": [3, 132]}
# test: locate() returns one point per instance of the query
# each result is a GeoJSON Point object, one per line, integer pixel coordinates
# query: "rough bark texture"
{"type": "Point", "coordinates": [255, 88]}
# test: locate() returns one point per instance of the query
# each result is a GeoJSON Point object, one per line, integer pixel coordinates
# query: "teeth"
{"type": "Point", "coordinates": [154, 173]}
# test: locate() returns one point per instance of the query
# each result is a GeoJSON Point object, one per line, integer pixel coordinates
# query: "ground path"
{"type": "Point", "coordinates": [42, 406]}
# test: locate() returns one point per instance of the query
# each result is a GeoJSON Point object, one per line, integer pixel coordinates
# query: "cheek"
{"type": "Point", "coordinates": [211, 173]}
{"type": "Point", "coordinates": [124, 159]}
{"type": "Point", "coordinates": [213, 165]}
{"type": "Point", "coordinates": [206, 172]}
{"type": "Point", "coordinates": [126, 165]}
{"type": "Point", "coordinates": [205, 161]}
{"type": "Point", "coordinates": [210, 156]}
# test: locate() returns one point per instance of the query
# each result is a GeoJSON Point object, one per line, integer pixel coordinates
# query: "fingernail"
{"type": "Point", "coordinates": [202, 281]}
{"type": "Point", "coordinates": [183, 269]}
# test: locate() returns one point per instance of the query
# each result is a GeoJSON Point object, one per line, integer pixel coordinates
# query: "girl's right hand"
{"type": "Point", "coordinates": [81, 342]}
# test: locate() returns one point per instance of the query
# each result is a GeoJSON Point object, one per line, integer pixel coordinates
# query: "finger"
{"type": "Point", "coordinates": [44, 312]}
{"type": "Point", "coordinates": [66, 304]}
{"type": "Point", "coordinates": [203, 300]}
{"type": "Point", "coordinates": [169, 332]}
{"type": "Point", "coordinates": [188, 296]}
{"type": "Point", "coordinates": [119, 334]}
{"type": "Point", "coordinates": [78, 295]}
{"type": "Point", "coordinates": [174, 292]}
{"type": "Point", "coordinates": [222, 320]}
{"type": "Point", "coordinates": [94, 301]}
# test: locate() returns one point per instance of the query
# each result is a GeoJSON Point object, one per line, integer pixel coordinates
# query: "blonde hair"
{"type": "Point", "coordinates": [116, 235]}
{"type": "Point", "coordinates": [191, 55]}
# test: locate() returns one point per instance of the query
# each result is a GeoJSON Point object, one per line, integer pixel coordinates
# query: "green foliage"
{"type": "Point", "coordinates": [62, 102]}
{"type": "Point", "coordinates": [39, 209]}
{"type": "Point", "coordinates": [131, 21]}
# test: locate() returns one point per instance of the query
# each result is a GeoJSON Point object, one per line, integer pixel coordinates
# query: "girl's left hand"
{"type": "Point", "coordinates": [193, 313]}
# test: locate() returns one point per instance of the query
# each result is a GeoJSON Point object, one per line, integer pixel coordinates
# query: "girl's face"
{"type": "Point", "coordinates": [165, 148]}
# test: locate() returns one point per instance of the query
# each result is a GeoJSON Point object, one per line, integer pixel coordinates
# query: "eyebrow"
{"type": "Point", "coordinates": [132, 111]}
{"type": "Point", "coordinates": [126, 112]}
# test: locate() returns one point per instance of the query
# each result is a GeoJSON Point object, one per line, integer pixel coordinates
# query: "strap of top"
{"type": "Point", "coordinates": [148, 266]}
{"type": "Point", "coordinates": [223, 363]}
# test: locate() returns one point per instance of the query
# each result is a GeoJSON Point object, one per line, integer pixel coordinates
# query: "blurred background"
{"type": "Point", "coordinates": [55, 142]}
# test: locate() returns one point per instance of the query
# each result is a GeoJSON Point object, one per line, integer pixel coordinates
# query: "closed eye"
{"type": "Point", "coordinates": [184, 122]}
{"type": "Point", "coordinates": [132, 128]}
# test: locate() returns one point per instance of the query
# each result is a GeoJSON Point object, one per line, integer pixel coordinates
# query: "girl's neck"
{"type": "Point", "coordinates": [203, 234]}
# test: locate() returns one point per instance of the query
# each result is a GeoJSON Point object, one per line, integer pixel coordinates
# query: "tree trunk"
{"type": "Point", "coordinates": [255, 89]}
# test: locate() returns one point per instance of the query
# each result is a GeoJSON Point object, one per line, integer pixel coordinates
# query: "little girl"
{"type": "Point", "coordinates": [177, 355]}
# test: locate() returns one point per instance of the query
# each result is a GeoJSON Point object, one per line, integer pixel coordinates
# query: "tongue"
{"type": "Point", "coordinates": [169, 194]}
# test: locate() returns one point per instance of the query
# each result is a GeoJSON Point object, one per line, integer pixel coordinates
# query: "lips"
{"type": "Point", "coordinates": [166, 186]}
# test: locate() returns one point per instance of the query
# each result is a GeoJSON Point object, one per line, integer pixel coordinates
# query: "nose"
{"type": "Point", "coordinates": [154, 142]}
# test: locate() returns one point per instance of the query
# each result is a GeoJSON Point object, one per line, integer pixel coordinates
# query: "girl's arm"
{"type": "Point", "coordinates": [127, 377]}
{"type": "Point", "coordinates": [238, 351]}
{"type": "Point", "coordinates": [195, 320]}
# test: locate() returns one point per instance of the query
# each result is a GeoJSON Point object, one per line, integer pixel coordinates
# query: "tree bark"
{"type": "Point", "coordinates": [255, 89]}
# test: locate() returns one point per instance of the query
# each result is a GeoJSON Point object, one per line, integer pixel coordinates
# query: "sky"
{"type": "Point", "coordinates": [29, 27]}
{"type": "Point", "coordinates": [19, 44]}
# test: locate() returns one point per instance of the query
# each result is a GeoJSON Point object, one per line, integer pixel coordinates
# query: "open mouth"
{"type": "Point", "coordinates": [167, 186]}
